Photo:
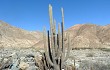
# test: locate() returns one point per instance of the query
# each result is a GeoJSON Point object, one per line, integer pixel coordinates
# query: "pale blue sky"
{"type": "Point", "coordinates": [33, 14]}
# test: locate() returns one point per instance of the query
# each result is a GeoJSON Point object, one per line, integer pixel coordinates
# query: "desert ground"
{"type": "Point", "coordinates": [29, 59]}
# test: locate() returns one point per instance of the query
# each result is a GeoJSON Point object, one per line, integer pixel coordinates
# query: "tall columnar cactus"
{"type": "Point", "coordinates": [55, 54]}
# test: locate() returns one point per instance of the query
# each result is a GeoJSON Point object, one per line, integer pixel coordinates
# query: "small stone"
{"type": "Point", "coordinates": [23, 65]}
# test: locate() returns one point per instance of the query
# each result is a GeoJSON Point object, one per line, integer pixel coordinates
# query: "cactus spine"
{"type": "Point", "coordinates": [55, 53]}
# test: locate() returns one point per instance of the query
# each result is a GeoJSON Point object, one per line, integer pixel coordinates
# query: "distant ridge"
{"type": "Point", "coordinates": [11, 36]}
{"type": "Point", "coordinates": [81, 35]}
{"type": "Point", "coordinates": [90, 36]}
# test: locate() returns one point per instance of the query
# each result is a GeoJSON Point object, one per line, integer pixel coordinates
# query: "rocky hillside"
{"type": "Point", "coordinates": [82, 36]}
{"type": "Point", "coordinates": [89, 36]}
{"type": "Point", "coordinates": [11, 36]}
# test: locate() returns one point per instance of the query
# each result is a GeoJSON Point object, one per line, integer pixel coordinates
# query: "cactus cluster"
{"type": "Point", "coordinates": [55, 52]}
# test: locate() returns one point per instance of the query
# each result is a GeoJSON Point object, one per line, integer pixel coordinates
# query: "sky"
{"type": "Point", "coordinates": [33, 15]}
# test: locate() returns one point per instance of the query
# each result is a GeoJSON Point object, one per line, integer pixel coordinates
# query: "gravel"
{"type": "Point", "coordinates": [85, 59]}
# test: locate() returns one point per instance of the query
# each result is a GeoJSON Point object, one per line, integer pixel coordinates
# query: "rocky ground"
{"type": "Point", "coordinates": [97, 59]}
{"type": "Point", "coordinates": [85, 59]}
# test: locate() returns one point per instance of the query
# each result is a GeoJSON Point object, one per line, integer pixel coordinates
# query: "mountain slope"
{"type": "Point", "coordinates": [11, 36]}
{"type": "Point", "coordinates": [81, 35]}
{"type": "Point", "coordinates": [89, 36]}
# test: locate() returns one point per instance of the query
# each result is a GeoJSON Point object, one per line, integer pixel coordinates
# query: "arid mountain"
{"type": "Point", "coordinates": [82, 36]}
{"type": "Point", "coordinates": [89, 36]}
{"type": "Point", "coordinates": [11, 36]}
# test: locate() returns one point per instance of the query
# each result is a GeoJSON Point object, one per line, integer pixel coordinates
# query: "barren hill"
{"type": "Point", "coordinates": [89, 36]}
{"type": "Point", "coordinates": [82, 36]}
{"type": "Point", "coordinates": [11, 36]}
